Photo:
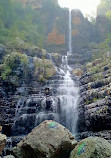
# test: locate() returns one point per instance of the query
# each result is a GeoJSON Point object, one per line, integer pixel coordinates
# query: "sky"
{"type": "Point", "coordinates": [86, 6]}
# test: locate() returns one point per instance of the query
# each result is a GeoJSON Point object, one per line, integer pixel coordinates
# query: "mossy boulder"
{"type": "Point", "coordinates": [48, 140]}
{"type": "Point", "coordinates": [92, 147]}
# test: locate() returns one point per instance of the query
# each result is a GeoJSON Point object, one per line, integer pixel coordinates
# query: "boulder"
{"type": "Point", "coordinates": [48, 140]}
{"type": "Point", "coordinates": [2, 142]}
{"type": "Point", "coordinates": [77, 72]}
{"type": "Point", "coordinates": [92, 147]}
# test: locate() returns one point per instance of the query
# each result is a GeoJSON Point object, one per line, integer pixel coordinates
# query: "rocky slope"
{"type": "Point", "coordinates": [94, 109]}
{"type": "Point", "coordinates": [22, 72]}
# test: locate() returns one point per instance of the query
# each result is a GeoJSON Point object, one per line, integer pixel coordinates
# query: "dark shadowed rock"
{"type": "Point", "coordinates": [92, 147]}
{"type": "Point", "coordinates": [48, 140]}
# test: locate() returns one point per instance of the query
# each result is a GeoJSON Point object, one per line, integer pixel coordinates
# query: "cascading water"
{"type": "Point", "coordinates": [68, 91]}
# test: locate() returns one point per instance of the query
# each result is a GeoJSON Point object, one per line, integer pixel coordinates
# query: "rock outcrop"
{"type": "Point", "coordinates": [14, 85]}
{"type": "Point", "coordinates": [95, 105]}
{"type": "Point", "coordinates": [49, 139]}
{"type": "Point", "coordinates": [92, 147]}
{"type": "Point", "coordinates": [77, 72]}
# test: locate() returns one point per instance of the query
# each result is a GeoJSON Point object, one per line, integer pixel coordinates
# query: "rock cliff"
{"type": "Point", "coordinates": [94, 109]}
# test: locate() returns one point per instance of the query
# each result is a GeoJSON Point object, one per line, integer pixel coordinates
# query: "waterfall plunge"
{"type": "Point", "coordinates": [68, 91]}
{"type": "Point", "coordinates": [70, 30]}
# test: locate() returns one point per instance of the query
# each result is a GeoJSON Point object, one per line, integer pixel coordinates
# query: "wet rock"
{"type": "Point", "coordinates": [2, 142]}
{"type": "Point", "coordinates": [9, 156]}
{"type": "Point", "coordinates": [49, 139]}
{"type": "Point", "coordinates": [92, 147]}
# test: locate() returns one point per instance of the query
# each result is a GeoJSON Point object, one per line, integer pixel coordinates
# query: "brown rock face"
{"type": "Point", "coordinates": [55, 38]}
{"type": "Point", "coordinates": [48, 140]}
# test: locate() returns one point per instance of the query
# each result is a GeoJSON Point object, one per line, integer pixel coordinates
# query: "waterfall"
{"type": "Point", "coordinates": [68, 91]}
{"type": "Point", "coordinates": [59, 105]}
{"type": "Point", "coordinates": [70, 35]}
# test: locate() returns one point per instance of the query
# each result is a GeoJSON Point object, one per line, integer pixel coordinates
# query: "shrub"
{"type": "Point", "coordinates": [15, 67]}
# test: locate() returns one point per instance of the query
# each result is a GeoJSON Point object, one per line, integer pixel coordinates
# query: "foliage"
{"type": "Point", "coordinates": [16, 21]}
{"type": "Point", "coordinates": [104, 21]}
{"type": "Point", "coordinates": [32, 26]}
{"type": "Point", "coordinates": [15, 67]}
{"type": "Point", "coordinates": [104, 7]}
{"type": "Point", "coordinates": [44, 69]}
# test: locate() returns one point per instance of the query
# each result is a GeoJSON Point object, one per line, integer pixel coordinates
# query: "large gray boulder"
{"type": "Point", "coordinates": [48, 140]}
{"type": "Point", "coordinates": [92, 147]}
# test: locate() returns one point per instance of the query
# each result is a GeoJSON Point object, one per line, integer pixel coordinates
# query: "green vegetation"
{"type": "Point", "coordinates": [44, 69]}
{"type": "Point", "coordinates": [104, 7]}
{"type": "Point", "coordinates": [104, 23]}
{"type": "Point", "coordinates": [14, 67]}
{"type": "Point", "coordinates": [21, 21]}
{"type": "Point", "coordinates": [16, 21]}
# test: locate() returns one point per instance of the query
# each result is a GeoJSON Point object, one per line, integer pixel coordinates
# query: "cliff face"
{"type": "Point", "coordinates": [83, 31]}
{"type": "Point", "coordinates": [53, 23]}
{"type": "Point", "coordinates": [95, 104]}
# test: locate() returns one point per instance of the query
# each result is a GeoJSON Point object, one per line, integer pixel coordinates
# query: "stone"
{"type": "Point", "coordinates": [2, 142]}
{"type": "Point", "coordinates": [77, 72]}
{"type": "Point", "coordinates": [96, 62]}
{"type": "Point", "coordinates": [9, 156]}
{"type": "Point", "coordinates": [92, 147]}
{"type": "Point", "coordinates": [49, 139]}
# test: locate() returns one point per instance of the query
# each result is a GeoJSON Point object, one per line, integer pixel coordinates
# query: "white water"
{"type": "Point", "coordinates": [68, 91]}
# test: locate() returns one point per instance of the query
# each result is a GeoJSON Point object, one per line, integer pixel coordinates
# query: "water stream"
{"type": "Point", "coordinates": [68, 91]}
{"type": "Point", "coordinates": [70, 32]}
